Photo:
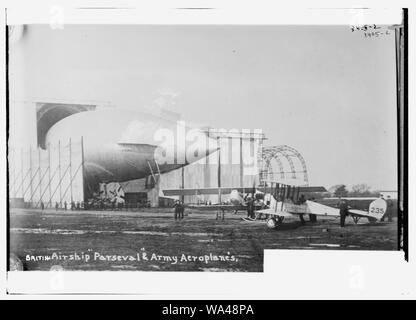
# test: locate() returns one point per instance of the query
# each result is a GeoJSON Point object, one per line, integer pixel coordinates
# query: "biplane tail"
{"type": "Point", "coordinates": [376, 210]}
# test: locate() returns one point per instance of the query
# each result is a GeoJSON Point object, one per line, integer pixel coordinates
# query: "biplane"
{"type": "Point", "coordinates": [284, 201]}
{"type": "Point", "coordinates": [275, 201]}
{"type": "Point", "coordinates": [239, 198]}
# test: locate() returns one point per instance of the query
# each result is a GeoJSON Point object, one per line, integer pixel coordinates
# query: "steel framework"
{"type": "Point", "coordinates": [44, 177]}
{"type": "Point", "coordinates": [290, 164]}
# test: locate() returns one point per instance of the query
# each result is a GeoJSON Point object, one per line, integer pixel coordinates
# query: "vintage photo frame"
{"type": "Point", "coordinates": [55, 281]}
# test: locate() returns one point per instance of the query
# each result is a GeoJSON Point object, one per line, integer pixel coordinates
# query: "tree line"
{"type": "Point", "coordinates": [357, 190]}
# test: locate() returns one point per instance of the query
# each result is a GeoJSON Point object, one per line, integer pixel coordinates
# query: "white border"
{"type": "Point", "coordinates": [220, 15]}
{"type": "Point", "coordinates": [287, 274]}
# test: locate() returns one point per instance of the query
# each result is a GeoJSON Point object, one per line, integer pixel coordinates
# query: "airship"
{"type": "Point", "coordinates": [121, 145]}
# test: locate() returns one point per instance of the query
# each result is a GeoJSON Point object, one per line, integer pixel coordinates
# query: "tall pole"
{"type": "Point", "coordinates": [40, 176]}
{"type": "Point", "coordinates": [241, 162]}
{"type": "Point", "coordinates": [219, 170]}
{"type": "Point", "coordinates": [70, 169]}
{"type": "Point", "coordinates": [15, 174]}
{"type": "Point", "coordinates": [31, 175]}
{"type": "Point", "coordinates": [183, 182]}
{"type": "Point", "coordinates": [253, 150]}
{"type": "Point", "coordinates": [21, 164]}
{"type": "Point", "coordinates": [83, 169]}
{"type": "Point", "coordinates": [207, 171]}
{"type": "Point", "coordinates": [49, 174]}
{"type": "Point", "coordinates": [60, 174]}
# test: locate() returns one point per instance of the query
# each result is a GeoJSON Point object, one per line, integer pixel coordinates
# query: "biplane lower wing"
{"type": "Point", "coordinates": [223, 207]}
{"type": "Point", "coordinates": [274, 212]}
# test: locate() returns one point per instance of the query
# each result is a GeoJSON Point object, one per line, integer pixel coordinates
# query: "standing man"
{"type": "Point", "coordinates": [302, 199]}
{"type": "Point", "coordinates": [181, 210]}
{"type": "Point", "coordinates": [312, 217]}
{"type": "Point", "coordinates": [389, 210]}
{"type": "Point", "coordinates": [343, 211]}
{"type": "Point", "coordinates": [250, 208]}
{"type": "Point", "coordinates": [177, 209]}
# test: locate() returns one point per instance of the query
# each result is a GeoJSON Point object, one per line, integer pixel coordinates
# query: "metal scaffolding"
{"type": "Point", "coordinates": [46, 178]}
{"type": "Point", "coordinates": [282, 163]}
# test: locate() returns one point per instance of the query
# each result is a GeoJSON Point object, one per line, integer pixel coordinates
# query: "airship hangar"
{"type": "Point", "coordinates": [65, 161]}
{"type": "Point", "coordinates": [91, 123]}
{"type": "Point", "coordinates": [66, 147]}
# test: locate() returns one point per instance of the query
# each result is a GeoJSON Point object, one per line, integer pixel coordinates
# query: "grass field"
{"type": "Point", "coordinates": [152, 240]}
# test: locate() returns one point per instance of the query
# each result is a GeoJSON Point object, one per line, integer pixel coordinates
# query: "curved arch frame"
{"type": "Point", "coordinates": [278, 153]}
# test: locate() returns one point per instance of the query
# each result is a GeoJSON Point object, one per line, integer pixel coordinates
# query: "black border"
{"type": "Point", "coordinates": [405, 136]}
{"type": "Point", "coordinates": [402, 132]}
{"type": "Point", "coordinates": [7, 147]}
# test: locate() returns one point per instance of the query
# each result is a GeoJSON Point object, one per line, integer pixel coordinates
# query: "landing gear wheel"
{"type": "Point", "coordinates": [273, 223]}
{"type": "Point", "coordinates": [356, 219]}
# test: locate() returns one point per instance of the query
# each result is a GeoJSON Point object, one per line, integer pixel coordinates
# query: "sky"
{"type": "Point", "coordinates": [324, 90]}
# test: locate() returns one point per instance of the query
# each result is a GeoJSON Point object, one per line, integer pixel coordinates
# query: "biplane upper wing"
{"type": "Point", "coordinates": [312, 189]}
{"type": "Point", "coordinates": [274, 183]}
{"type": "Point", "coordinates": [207, 191]}
{"type": "Point", "coordinates": [227, 190]}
